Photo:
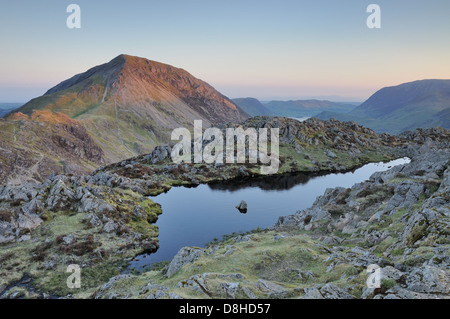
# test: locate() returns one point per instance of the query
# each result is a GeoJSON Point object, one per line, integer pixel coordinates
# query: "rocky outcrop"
{"type": "Point", "coordinates": [348, 136]}
{"type": "Point", "coordinates": [35, 146]}
{"type": "Point", "coordinates": [47, 227]}
{"type": "Point", "coordinates": [403, 210]}
{"type": "Point", "coordinates": [185, 256]}
{"type": "Point", "coordinates": [327, 291]}
{"type": "Point", "coordinates": [24, 207]}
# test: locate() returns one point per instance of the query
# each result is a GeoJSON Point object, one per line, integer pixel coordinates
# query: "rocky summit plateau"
{"type": "Point", "coordinates": [398, 220]}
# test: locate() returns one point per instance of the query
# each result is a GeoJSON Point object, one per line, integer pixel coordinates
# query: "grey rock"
{"type": "Point", "coordinates": [229, 250]}
{"type": "Point", "coordinates": [90, 204]}
{"type": "Point", "coordinates": [391, 273]}
{"type": "Point", "coordinates": [156, 291]}
{"type": "Point", "coordinates": [32, 207]}
{"type": "Point", "coordinates": [240, 239]}
{"type": "Point", "coordinates": [185, 256]}
{"type": "Point", "coordinates": [250, 294]}
{"type": "Point", "coordinates": [69, 239]}
{"type": "Point", "coordinates": [174, 296]}
{"type": "Point", "coordinates": [429, 279]}
{"type": "Point", "coordinates": [369, 293]}
{"type": "Point", "coordinates": [269, 287]}
{"type": "Point", "coordinates": [93, 220]}
{"type": "Point", "coordinates": [110, 227]}
{"type": "Point", "coordinates": [105, 289]}
{"type": "Point", "coordinates": [331, 154]}
{"type": "Point", "coordinates": [230, 289]}
{"type": "Point", "coordinates": [242, 207]}
{"type": "Point", "coordinates": [29, 221]}
{"type": "Point", "coordinates": [312, 293]}
{"type": "Point", "coordinates": [159, 154]}
{"type": "Point", "coordinates": [330, 291]}
{"type": "Point", "coordinates": [60, 196]}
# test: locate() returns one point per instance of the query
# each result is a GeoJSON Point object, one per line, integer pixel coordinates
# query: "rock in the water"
{"type": "Point", "coordinates": [242, 207]}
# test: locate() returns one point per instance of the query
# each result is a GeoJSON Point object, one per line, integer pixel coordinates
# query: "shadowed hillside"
{"type": "Point", "coordinates": [419, 104]}
{"type": "Point", "coordinates": [253, 107]}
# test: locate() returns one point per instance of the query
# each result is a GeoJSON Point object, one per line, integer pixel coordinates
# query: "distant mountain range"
{"type": "Point", "coordinates": [253, 107]}
{"type": "Point", "coordinates": [297, 109]}
{"type": "Point", "coordinates": [404, 107]}
{"type": "Point", "coordinates": [307, 108]}
{"type": "Point", "coordinates": [6, 108]}
{"type": "Point", "coordinates": [126, 107]}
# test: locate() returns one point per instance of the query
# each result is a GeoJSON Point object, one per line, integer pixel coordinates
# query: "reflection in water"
{"type": "Point", "coordinates": [195, 216]}
{"type": "Point", "coordinates": [267, 183]}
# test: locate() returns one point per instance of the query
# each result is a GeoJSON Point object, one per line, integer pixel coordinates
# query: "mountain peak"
{"type": "Point", "coordinates": [131, 80]}
{"type": "Point", "coordinates": [131, 104]}
{"type": "Point", "coordinates": [127, 59]}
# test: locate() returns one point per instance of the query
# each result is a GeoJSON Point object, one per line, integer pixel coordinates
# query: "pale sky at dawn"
{"type": "Point", "coordinates": [264, 49]}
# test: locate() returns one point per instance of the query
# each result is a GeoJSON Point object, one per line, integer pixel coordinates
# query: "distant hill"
{"type": "Point", "coordinates": [126, 107]}
{"type": "Point", "coordinates": [404, 107]}
{"type": "Point", "coordinates": [307, 108]}
{"type": "Point", "coordinates": [6, 108]}
{"type": "Point", "coordinates": [252, 106]}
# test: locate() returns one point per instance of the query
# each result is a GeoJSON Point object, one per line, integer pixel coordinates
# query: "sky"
{"type": "Point", "coordinates": [265, 49]}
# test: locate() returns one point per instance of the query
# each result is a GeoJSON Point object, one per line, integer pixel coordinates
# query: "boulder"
{"type": "Point", "coordinates": [185, 256]}
{"type": "Point", "coordinates": [242, 207]}
{"type": "Point", "coordinates": [429, 279]}
{"type": "Point", "coordinates": [331, 154]}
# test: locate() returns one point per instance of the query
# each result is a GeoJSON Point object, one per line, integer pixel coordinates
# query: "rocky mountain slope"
{"type": "Point", "coordinates": [32, 147]}
{"type": "Point", "coordinates": [404, 107]}
{"type": "Point", "coordinates": [127, 107]}
{"type": "Point", "coordinates": [102, 220]}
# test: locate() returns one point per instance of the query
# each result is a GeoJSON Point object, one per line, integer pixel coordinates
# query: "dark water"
{"type": "Point", "coordinates": [195, 216]}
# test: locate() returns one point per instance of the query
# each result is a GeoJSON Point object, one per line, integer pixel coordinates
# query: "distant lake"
{"type": "Point", "coordinates": [301, 119]}
{"type": "Point", "coordinates": [195, 216]}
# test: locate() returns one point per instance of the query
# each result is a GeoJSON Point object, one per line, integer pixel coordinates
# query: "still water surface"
{"type": "Point", "coordinates": [195, 216]}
